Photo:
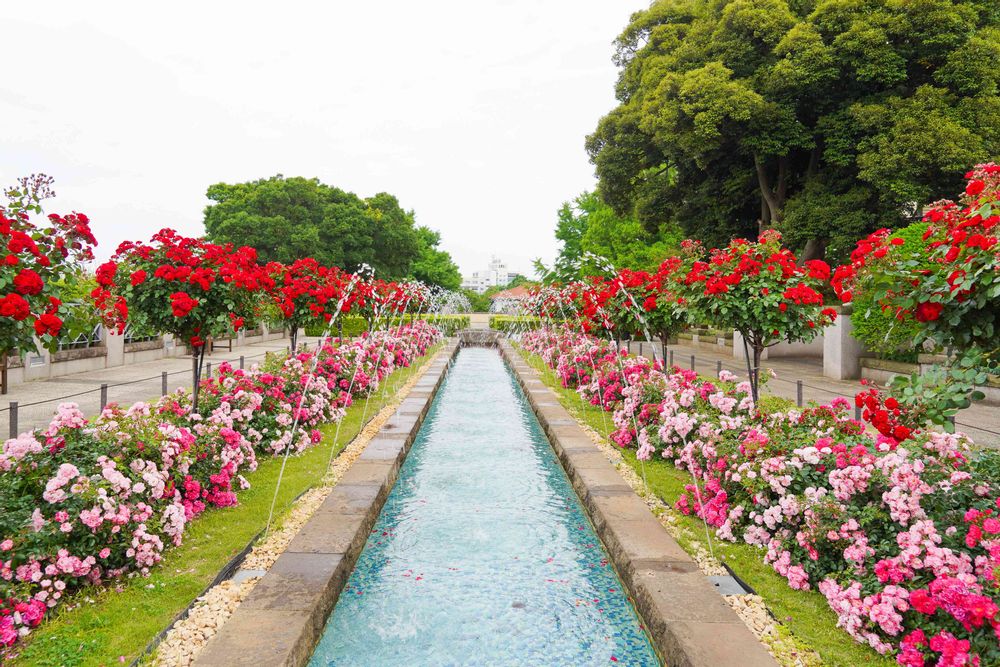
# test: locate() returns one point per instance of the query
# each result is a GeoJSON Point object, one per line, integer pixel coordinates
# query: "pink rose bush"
{"type": "Point", "coordinates": [87, 501]}
{"type": "Point", "coordinates": [902, 538]}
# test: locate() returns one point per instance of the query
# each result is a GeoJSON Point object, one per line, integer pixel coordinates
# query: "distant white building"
{"type": "Point", "coordinates": [496, 275]}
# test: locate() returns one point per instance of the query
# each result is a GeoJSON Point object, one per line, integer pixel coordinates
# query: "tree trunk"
{"type": "Point", "coordinates": [772, 199]}
{"type": "Point", "coordinates": [293, 336]}
{"type": "Point", "coordinates": [814, 249]}
{"type": "Point", "coordinates": [197, 359]}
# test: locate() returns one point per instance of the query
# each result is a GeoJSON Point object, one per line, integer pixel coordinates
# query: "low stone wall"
{"type": "Point", "coordinates": [282, 619]}
{"type": "Point", "coordinates": [689, 622]}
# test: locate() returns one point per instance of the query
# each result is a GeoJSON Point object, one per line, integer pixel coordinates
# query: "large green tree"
{"type": "Point", "coordinates": [290, 218]}
{"type": "Point", "coordinates": [589, 228]}
{"type": "Point", "coordinates": [825, 118]}
{"type": "Point", "coordinates": [434, 266]}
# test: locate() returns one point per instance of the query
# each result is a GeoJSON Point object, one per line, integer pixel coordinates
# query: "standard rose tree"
{"type": "Point", "coordinates": [305, 291]}
{"type": "Point", "coordinates": [38, 255]}
{"type": "Point", "coordinates": [184, 286]}
{"type": "Point", "coordinates": [758, 289]}
{"type": "Point", "coordinates": [948, 285]}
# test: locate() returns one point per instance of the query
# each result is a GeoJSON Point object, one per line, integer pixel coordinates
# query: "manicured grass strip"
{"type": "Point", "coordinates": [804, 614]}
{"type": "Point", "coordinates": [108, 624]}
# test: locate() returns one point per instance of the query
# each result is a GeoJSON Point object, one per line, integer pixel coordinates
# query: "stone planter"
{"type": "Point", "coordinates": [82, 353]}
{"type": "Point", "coordinates": [145, 345]}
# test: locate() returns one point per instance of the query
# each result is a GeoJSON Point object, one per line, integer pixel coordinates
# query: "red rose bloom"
{"type": "Point", "coordinates": [182, 304]}
{"type": "Point", "coordinates": [138, 278]}
{"type": "Point", "coordinates": [974, 188]}
{"type": "Point", "coordinates": [105, 274]}
{"type": "Point", "coordinates": [48, 324]}
{"type": "Point", "coordinates": [15, 307]}
{"type": "Point", "coordinates": [28, 282]}
{"type": "Point", "coordinates": [927, 311]}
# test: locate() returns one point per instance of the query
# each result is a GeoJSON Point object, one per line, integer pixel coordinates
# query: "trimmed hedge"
{"type": "Point", "coordinates": [355, 325]}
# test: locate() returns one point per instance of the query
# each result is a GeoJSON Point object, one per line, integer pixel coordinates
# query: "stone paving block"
{"type": "Point", "coordinates": [299, 582]}
{"type": "Point", "coordinates": [640, 539]}
{"type": "Point", "coordinates": [577, 459]}
{"type": "Point", "coordinates": [379, 473]}
{"type": "Point", "coordinates": [697, 644]}
{"type": "Point", "coordinates": [328, 533]}
{"type": "Point", "coordinates": [385, 449]}
{"type": "Point", "coordinates": [607, 507]}
{"type": "Point", "coordinates": [607, 477]}
{"type": "Point", "coordinates": [263, 637]}
{"type": "Point", "coordinates": [352, 499]}
{"type": "Point", "coordinates": [413, 406]}
{"type": "Point", "coordinates": [676, 591]}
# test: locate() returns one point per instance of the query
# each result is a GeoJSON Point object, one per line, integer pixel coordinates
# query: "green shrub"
{"type": "Point", "coordinates": [879, 329]}
{"type": "Point", "coordinates": [355, 326]}
{"type": "Point", "coordinates": [515, 323]}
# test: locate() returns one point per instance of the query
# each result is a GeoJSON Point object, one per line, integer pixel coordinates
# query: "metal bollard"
{"type": "Point", "coordinates": [640, 348]}
{"type": "Point", "coordinates": [13, 419]}
{"type": "Point", "coordinates": [241, 362]}
{"type": "Point", "coordinates": [209, 371]}
{"type": "Point", "coordinates": [692, 362]}
{"type": "Point", "coordinates": [104, 397]}
{"type": "Point", "coordinates": [798, 393]}
{"type": "Point", "coordinates": [671, 358]}
{"type": "Point", "coordinates": [163, 383]}
{"type": "Point", "coordinates": [857, 412]}
{"type": "Point", "coordinates": [718, 368]}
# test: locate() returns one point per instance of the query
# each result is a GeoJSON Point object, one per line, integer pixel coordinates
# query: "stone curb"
{"type": "Point", "coordinates": [689, 622]}
{"type": "Point", "coordinates": [282, 619]}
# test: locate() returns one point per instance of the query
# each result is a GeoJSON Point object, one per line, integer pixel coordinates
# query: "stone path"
{"type": "Point", "coordinates": [38, 400]}
{"type": "Point", "coordinates": [981, 422]}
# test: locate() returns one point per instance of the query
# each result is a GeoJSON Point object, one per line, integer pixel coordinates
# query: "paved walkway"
{"type": "Point", "coordinates": [38, 400]}
{"type": "Point", "coordinates": [981, 422]}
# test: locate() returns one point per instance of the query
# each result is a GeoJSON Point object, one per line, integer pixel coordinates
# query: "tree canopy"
{"type": "Point", "coordinates": [290, 218]}
{"type": "Point", "coordinates": [588, 227]}
{"type": "Point", "coordinates": [824, 118]}
{"type": "Point", "coordinates": [432, 265]}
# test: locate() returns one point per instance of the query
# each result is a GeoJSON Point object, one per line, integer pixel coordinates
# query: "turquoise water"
{"type": "Point", "coordinates": [482, 554]}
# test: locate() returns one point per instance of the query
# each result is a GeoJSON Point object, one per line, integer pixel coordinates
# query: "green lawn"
{"type": "Point", "coordinates": [107, 624]}
{"type": "Point", "coordinates": [805, 615]}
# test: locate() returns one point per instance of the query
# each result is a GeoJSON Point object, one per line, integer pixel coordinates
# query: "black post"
{"type": "Point", "coordinates": [13, 419]}
{"type": "Point", "coordinates": [163, 383]}
{"type": "Point", "coordinates": [718, 368]}
{"type": "Point", "coordinates": [798, 393]}
{"type": "Point", "coordinates": [692, 362]}
{"type": "Point", "coordinates": [208, 371]}
{"type": "Point", "coordinates": [671, 358]}
{"type": "Point", "coordinates": [242, 361]}
{"type": "Point", "coordinates": [857, 412]}
{"type": "Point", "coordinates": [104, 397]}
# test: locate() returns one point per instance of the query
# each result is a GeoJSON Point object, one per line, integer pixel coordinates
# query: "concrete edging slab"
{"type": "Point", "coordinates": [282, 619]}
{"type": "Point", "coordinates": [689, 622]}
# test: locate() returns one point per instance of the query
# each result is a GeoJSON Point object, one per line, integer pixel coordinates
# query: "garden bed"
{"type": "Point", "coordinates": [805, 620]}
{"type": "Point", "coordinates": [85, 627]}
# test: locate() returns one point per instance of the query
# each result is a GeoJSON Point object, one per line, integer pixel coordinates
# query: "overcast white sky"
{"type": "Point", "coordinates": [472, 113]}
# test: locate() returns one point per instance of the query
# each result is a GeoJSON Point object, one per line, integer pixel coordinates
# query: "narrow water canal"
{"type": "Point", "coordinates": [483, 554]}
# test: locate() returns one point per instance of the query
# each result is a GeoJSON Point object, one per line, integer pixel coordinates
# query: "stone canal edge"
{"type": "Point", "coordinates": [282, 619]}
{"type": "Point", "coordinates": [689, 622]}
